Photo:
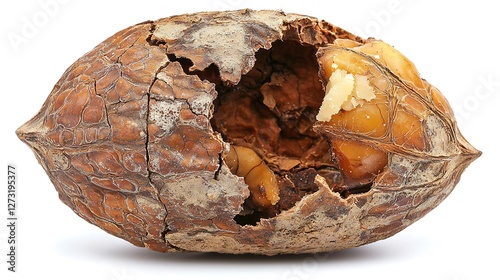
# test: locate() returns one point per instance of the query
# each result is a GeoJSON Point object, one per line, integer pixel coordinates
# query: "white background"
{"type": "Point", "coordinates": [454, 44]}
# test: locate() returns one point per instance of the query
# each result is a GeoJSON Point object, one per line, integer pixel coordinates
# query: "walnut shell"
{"type": "Point", "coordinates": [134, 134]}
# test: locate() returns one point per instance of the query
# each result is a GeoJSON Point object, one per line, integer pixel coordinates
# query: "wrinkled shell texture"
{"type": "Point", "coordinates": [126, 138]}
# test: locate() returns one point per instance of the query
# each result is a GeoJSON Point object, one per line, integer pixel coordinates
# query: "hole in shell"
{"type": "Point", "coordinates": [272, 111]}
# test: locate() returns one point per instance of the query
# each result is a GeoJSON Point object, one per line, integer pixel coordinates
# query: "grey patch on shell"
{"type": "Point", "coordinates": [439, 137]}
{"type": "Point", "coordinates": [59, 159]}
{"type": "Point", "coordinates": [209, 196]}
{"type": "Point", "coordinates": [166, 114]}
{"type": "Point", "coordinates": [202, 104]}
{"type": "Point", "coordinates": [416, 172]}
{"type": "Point", "coordinates": [170, 30]}
{"type": "Point", "coordinates": [322, 229]}
{"type": "Point", "coordinates": [205, 242]}
{"type": "Point", "coordinates": [229, 61]}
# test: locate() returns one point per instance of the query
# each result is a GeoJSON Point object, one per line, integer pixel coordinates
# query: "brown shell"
{"type": "Point", "coordinates": [126, 138]}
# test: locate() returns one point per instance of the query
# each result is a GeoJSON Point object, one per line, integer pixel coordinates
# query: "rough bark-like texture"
{"type": "Point", "coordinates": [127, 140]}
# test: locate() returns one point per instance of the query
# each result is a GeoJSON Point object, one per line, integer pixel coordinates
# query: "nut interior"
{"type": "Point", "coordinates": [272, 111]}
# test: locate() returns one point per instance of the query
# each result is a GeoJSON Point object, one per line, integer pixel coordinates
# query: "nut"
{"type": "Point", "coordinates": [247, 132]}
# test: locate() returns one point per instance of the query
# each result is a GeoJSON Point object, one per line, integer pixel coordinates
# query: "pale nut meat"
{"type": "Point", "coordinates": [247, 132]}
